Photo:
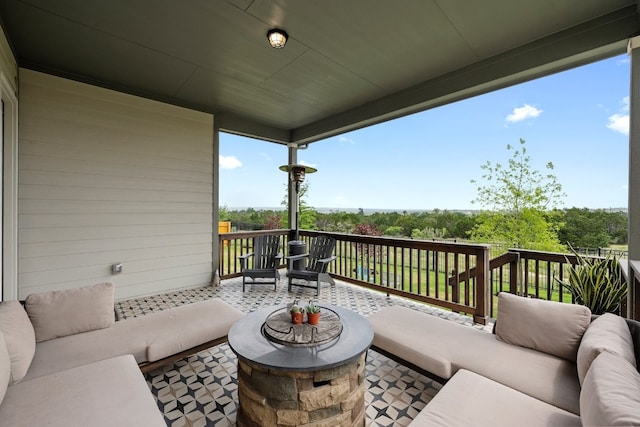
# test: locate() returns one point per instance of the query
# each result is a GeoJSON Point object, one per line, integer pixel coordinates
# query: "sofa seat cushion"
{"type": "Point", "coordinates": [66, 312]}
{"type": "Point", "coordinates": [19, 337]}
{"type": "Point", "coordinates": [148, 338]}
{"type": "Point", "coordinates": [606, 333]}
{"type": "Point", "coordinates": [611, 392]}
{"type": "Point", "coordinates": [111, 392]}
{"type": "Point", "coordinates": [442, 347]}
{"type": "Point", "coordinates": [559, 327]}
{"type": "Point", "coordinates": [469, 399]}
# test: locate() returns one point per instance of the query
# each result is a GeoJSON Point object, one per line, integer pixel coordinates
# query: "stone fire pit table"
{"type": "Point", "coordinates": [294, 385]}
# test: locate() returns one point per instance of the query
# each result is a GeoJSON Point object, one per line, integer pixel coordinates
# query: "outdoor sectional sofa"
{"type": "Point", "coordinates": [546, 363]}
{"type": "Point", "coordinates": [65, 361]}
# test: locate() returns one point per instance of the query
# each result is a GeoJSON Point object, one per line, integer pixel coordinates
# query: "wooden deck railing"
{"type": "Point", "coordinates": [456, 276]}
{"type": "Point", "coordinates": [415, 269]}
{"type": "Point", "coordinates": [530, 273]}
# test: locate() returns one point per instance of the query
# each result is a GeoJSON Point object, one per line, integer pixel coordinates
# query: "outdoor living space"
{"type": "Point", "coordinates": [201, 390]}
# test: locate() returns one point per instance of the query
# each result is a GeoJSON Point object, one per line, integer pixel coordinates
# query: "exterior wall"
{"type": "Point", "coordinates": [106, 177]}
{"type": "Point", "coordinates": [8, 67]}
{"type": "Point", "coordinates": [9, 178]}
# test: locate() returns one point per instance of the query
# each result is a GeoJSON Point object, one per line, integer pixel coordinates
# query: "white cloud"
{"type": "Point", "coordinates": [265, 156]}
{"type": "Point", "coordinates": [523, 113]}
{"type": "Point", "coordinates": [620, 122]}
{"type": "Point", "coordinates": [625, 104]}
{"type": "Point", "coordinates": [345, 139]}
{"type": "Point", "coordinates": [229, 162]}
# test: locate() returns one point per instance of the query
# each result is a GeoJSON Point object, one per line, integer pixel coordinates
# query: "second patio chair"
{"type": "Point", "coordinates": [318, 259]}
{"type": "Point", "coordinates": [266, 260]}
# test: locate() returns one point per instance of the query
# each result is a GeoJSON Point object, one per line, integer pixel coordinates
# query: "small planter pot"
{"type": "Point", "coordinates": [296, 318]}
{"type": "Point", "coordinates": [313, 318]}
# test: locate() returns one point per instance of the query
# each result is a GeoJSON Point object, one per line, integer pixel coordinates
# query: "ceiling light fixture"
{"type": "Point", "coordinates": [277, 38]}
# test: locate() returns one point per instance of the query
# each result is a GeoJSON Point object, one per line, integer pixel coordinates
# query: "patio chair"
{"type": "Point", "coordinates": [318, 259]}
{"type": "Point", "coordinates": [266, 260]}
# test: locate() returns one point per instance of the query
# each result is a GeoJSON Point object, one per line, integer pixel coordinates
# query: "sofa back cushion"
{"type": "Point", "coordinates": [610, 393]}
{"type": "Point", "coordinates": [19, 338]}
{"type": "Point", "coordinates": [57, 314]}
{"type": "Point", "coordinates": [551, 327]}
{"type": "Point", "coordinates": [5, 368]}
{"type": "Point", "coordinates": [608, 332]}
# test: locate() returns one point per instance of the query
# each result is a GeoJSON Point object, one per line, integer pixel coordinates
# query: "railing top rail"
{"type": "Point", "coordinates": [442, 246]}
{"type": "Point", "coordinates": [545, 256]}
{"type": "Point", "coordinates": [503, 259]}
{"type": "Point", "coordinates": [248, 234]}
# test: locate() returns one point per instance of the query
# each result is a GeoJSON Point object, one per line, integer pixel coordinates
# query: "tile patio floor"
{"type": "Point", "coordinates": [201, 390]}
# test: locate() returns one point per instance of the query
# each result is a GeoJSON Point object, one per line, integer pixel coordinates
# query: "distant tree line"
{"type": "Point", "coordinates": [520, 210]}
{"type": "Point", "coordinates": [578, 227]}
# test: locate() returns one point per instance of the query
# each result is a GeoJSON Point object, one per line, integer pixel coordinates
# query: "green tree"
{"type": "Point", "coordinates": [223, 212]}
{"type": "Point", "coordinates": [518, 198]}
{"type": "Point", "coordinates": [393, 230]}
{"type": "Point", "coordinates": [307, 220]}
{"type": "Point", "coordinates": [584, 228]}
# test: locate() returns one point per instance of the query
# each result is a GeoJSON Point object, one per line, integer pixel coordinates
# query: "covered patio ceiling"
{"type": "Point", "coordinates": [347, 64]}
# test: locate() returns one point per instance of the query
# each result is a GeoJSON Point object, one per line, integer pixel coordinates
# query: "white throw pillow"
{"type": "Point", "coordinates": [19, 338]}
{"type": "Point", "coordinates": [610, 394]}
{"type": "Point", "coordinates": [606, 333]}
{"type": "Point", "coordinates": [57, 314]}
{"type": "Point", "coordinates": [547, 326]}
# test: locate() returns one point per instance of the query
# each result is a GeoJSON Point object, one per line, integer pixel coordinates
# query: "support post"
{"type": "Point", "coordinates": [293, 195]}
{"type": "Point", "coordinates": [482, 287]}
{"type": "Point", "coordinates": [633, 297]}
{"type": "Point", "coordinates": [215, 245]}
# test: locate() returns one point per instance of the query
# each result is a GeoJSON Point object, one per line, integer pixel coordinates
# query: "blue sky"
{"type": "Point", "coordinates": [577, 119]}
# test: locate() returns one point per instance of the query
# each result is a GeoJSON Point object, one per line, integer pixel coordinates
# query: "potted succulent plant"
{"type": "Point", "coordinates": [313, 313]}
{"type": "Point", "coordinates": [297, 313]}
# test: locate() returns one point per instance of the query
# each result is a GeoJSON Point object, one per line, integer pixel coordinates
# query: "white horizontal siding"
{"type": "Point", "coordinates": [106, 177]}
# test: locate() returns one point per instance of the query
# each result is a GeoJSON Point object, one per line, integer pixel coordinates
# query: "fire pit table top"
{"type": "Point", "coordinates": [247, 340]}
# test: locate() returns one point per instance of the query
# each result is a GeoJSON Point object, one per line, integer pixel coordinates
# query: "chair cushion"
{"type": "Point", "coordinates": [489, 404]}
{"type": "Point", "coordinates": [57, 314]}
{"type": "Point", "coordinates": [442, 347]}
{"type": "Point", "coordinates": [551, 327]}
{"type": "Point", "coordinates": [5, 368]}
{"type": "Point", "coordinates": [19, 337]}
{"type": "Point", "coordinates": [608, 332]}
{"type": "Point", "coordinates": [110, 392]}
{"type": "Point", "coordinates": [148, 338]}
{"type": "Point", "coordinates": [611, 392]}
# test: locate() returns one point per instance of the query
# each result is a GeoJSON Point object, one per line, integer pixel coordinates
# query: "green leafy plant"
{"type": "Point", "coordinates": [596, 283]}
{"type": "Point", "coordinates": [312, 308]}
{"type": "Point", "coordinates": [295, 308]}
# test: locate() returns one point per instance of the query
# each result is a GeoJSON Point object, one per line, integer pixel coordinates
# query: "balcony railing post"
{"type": "Point", "coordinates": [482, 287]}
{"type": "Point", "coordinates": [514, 268]}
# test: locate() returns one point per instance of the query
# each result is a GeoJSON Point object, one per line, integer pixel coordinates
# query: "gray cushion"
{"type": "Point", "coordinates": [442, 347]}
{"type": "Point", "coordinates": [60, 313]}
{"type": "Point", "coordinates": [5, 368]}
{"type": "Point", "coordinates": [110, 392]}
{"type": "Point", "coordinates": [148, 338]}
{"type": "Point", "coordinates": [608, 332]}
{"type": "Point", "coordinates": [551, 327]}
{"type": "Point", "coordinates": [611, 393]}
{"type": "Point", "coordinates": [469, 399]}
{"type": "Point", "coordinates": [19, 337]}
